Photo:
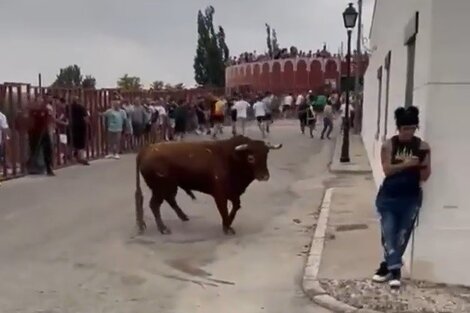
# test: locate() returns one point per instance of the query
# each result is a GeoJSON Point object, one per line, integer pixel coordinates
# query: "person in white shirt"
{"type": "Point", "coordinates": [343, 113]}
{"type": "Point", "coordinates": [260, 113]}
{"type": "Point", "coordinates": [287, 105]}
{"type": "Point", "coordinates": [4, 129]}
{"type": "Point", "coordinates": [241, 107]}
{"type": "Point", "coordinates": [300, 100]}
{"type": "Point", "coordinates": [268, 107]}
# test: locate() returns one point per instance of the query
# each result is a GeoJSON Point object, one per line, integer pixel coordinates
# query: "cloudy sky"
{"type": "Point", "coordinates": [152, 39]}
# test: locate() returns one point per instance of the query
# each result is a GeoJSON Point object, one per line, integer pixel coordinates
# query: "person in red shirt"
{"type": "Point", "coordinates": [40, 119]}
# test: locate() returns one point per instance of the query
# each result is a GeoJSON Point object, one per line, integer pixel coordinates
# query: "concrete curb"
{"type": "Point", "coordinates": [310, 283]}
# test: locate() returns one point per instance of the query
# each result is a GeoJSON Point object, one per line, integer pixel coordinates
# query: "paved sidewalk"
{"type": "Point", "coordinates": [359, 162]}
{"type": "Point", "coordinates": [352, 248]}
{"type": "Point", "coordinates": [345, 252]}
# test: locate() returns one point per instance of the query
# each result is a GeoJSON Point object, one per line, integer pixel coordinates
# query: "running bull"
{"type": "Point", "coordinates": [222, 169]}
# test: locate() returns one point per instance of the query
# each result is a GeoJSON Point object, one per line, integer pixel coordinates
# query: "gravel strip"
{"type": "Point", "coordinates": [413, 297]}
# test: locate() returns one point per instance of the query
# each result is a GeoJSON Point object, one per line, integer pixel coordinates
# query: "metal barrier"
{"type": "Point", "coordinates": [14, 97]}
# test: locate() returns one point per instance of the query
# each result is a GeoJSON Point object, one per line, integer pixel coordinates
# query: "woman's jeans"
{"type": "Point", "coordinates": [397, 218]}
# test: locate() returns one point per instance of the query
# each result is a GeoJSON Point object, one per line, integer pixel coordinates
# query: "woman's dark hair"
{"type": "Point", "coordinates": [407, 116]}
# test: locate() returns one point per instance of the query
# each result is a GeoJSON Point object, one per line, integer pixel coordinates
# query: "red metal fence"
{"type": "Point", "coordinates": [14, 98]}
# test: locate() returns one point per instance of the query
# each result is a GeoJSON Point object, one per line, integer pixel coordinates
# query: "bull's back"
{"type": "Point", "coordinates": [188, 165]}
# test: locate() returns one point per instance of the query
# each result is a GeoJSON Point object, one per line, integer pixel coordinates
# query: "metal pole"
{"type": "Point", "coordinates": [345, 148]}
{"type": "Point", "coordinates": [358, 106]}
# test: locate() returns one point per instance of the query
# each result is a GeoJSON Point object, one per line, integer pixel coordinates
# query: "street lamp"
{"type": "Point", "coordinates": [349, 18]}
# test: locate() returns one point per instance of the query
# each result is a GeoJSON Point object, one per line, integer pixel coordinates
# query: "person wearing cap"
{"type": "Point", "coordinates": [406, 163]}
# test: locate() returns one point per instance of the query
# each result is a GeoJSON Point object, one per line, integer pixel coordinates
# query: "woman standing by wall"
{"type": "Point", "coordinates": [406, 162]}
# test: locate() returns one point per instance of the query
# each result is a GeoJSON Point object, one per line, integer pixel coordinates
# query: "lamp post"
{"type": "Point", "coordinates": [349, 18]}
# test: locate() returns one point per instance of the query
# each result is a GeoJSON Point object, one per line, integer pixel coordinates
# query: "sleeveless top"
{"type": "Point", "coordinates": [405, 183]}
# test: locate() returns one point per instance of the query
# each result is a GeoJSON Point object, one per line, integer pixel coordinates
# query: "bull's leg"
{"type": "Point", "coordinates": [172, 202]}
{"type": "Point", "coordinates": [235, 207]}
{"type": "Point", "coordinates": [221, 203]}
{"type": "Point", "coordinates": [155, 204]}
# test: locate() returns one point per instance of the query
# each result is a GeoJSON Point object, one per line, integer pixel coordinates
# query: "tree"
{"type": "Point", "coordinates": [271, 40]}
{"type": "Point", "coordinates": [212, 52]}
{"type": "Point", "coordinates": [268, 41]}
{"type": "Point", "coordinates": [157, 85]}
{"type": "Point", "coordinates": [274, 43]}
{"type": "Point", "coordinates": [129, 83]}
{"type": "Point", "coordinates": [69, 77]}
{"type": "Point", "coordinates": [89, 82]}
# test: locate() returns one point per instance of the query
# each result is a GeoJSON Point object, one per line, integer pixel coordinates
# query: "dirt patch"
{"type": "Point", "coordinates": [413, 297]}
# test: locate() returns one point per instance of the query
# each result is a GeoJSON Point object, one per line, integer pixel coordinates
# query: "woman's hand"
{"type": "Point", "coordinates": [411, 161]}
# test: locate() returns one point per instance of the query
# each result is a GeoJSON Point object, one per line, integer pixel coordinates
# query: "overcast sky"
{"type": "Point", "coordinates": [152, 39]}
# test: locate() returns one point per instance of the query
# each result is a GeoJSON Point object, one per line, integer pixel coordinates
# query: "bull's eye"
{"type": "Point", "coordinates": [251, 159]}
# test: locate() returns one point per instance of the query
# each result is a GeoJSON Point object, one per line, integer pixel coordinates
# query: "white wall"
{"type": "Point", "coordinates": [442, 92]}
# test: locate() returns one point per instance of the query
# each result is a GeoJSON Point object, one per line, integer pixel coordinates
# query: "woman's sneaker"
{"type": "Point", "coordinates": [395, 280]}
{"type": "Point", "coordinates": [382, 274]}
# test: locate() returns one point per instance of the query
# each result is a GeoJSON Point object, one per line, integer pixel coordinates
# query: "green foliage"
{"type": "Point", "coordinates": [212, 52]}
{"type": "Point", "coordinates": [129, 83]}
{"type": "Point", "coordinates": [268, 40]}
{"type": "Point", "coordinates": [71, 77]}
{"type": "Point", "coordinates": [271, 40]}
{"type": "Point", "coordinates": [157, 85]}
{"type": "Point", "coordinates": [89, 82]}
{"type": "Point", "coordinates": [274, 43]}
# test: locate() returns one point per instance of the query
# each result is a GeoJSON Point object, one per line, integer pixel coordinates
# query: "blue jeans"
{"type": "Point", "coordinates": [397, 218]}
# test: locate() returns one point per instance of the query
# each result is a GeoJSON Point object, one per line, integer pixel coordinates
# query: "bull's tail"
{"type": "Point", "coordinates": [139, 198]}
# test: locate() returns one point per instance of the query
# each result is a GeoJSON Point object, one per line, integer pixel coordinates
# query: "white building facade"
{"type": "Point", "coordinates": [421, 56]}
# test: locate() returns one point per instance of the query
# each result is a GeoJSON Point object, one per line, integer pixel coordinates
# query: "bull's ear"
{"type": "Point", "coordinates": [242, 147]}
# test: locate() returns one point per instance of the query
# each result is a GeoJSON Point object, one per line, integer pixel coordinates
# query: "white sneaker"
{"type": "Point", "coordinates": [116, 156]}
{"type": "Point", "coordinates": [395, 280]}
{"type": "Point", "coordinates": [394, 283]}
{"type": "Point", "coordinates": [109, 156]}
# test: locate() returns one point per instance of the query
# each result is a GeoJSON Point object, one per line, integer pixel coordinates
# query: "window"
{"type": "Point", "coordinates": [379, 102]}
{"type": "Point", "coordinates": [410, 41]}
{"type": "Point", "coordinates": [388, 60]}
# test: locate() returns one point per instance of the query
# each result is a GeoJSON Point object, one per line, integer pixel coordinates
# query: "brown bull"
{"type": "Point", "coordinates": [222, 169]}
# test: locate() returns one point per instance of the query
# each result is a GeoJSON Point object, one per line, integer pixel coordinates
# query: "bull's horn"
{"type": "Point", "coordinates": [273, 147]}
{"type": "Point", "coordinates": [241, 147]}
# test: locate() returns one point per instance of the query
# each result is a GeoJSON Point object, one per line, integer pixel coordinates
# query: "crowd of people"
{"type": "Point", "coordinates": [285, 53]}
{"type": "Point", "coordinates": [52, 122]}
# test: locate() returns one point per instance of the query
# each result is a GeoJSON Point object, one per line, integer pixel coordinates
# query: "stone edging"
{"type": "Point", "coordinates": [310, 283]}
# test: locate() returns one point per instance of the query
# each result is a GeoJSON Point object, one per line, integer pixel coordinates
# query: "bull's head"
{"type": "Point", "coordinates": [255, 154]}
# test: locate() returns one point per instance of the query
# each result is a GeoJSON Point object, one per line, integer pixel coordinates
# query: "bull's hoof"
{"type": "Point", "coordinates": [164, 230]}
{"type": "Point", "coordinates": [184, 218]}
{"type": "Point", "coordinates": [142, 227]}
{"type": "Point", "coordinates": [229, 231]}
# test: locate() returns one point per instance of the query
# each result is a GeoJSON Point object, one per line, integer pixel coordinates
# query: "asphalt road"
{"type": "Point", "coordinates": [68, 244]}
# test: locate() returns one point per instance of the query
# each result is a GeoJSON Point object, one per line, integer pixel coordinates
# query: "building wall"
{"type": "Point", "coordinates": [441, 91]}
{"type": "Point", "coordinates": [290, 75]}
